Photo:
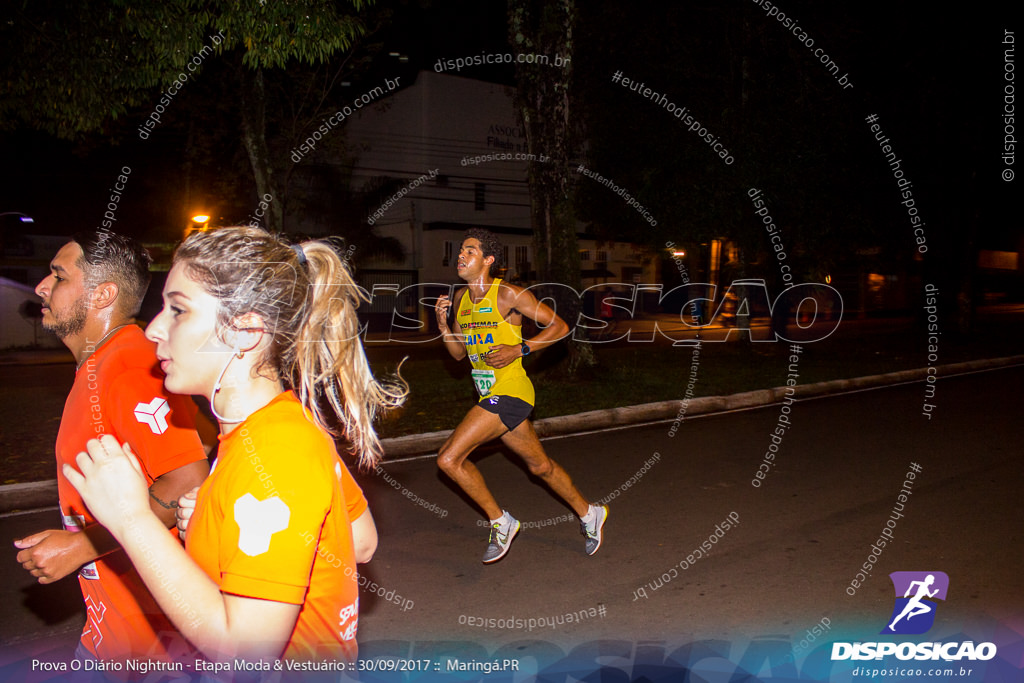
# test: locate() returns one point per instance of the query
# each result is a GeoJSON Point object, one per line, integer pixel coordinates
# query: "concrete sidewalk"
{"type": "Point", "coordinates": [43, 494]}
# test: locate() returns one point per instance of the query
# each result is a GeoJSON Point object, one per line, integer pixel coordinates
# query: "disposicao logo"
{"type": "Point", "coordinates": [917, 594]}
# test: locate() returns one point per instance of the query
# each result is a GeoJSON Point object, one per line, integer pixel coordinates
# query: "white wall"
{"type": "Point", "coordinates": [15, 328]}
{"type": "Point", "coordinates": [439, 125]}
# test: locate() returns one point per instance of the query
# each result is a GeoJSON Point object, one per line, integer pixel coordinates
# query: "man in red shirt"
{"type": "Point", "coordinates": [96, 285]}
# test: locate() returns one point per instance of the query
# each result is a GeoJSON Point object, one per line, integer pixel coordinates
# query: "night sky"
{"type": "Point", "coordinates": [934, 79]}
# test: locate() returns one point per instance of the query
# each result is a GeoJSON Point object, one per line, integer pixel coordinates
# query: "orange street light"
{"type": "Point", "coordinates": [198, 223]}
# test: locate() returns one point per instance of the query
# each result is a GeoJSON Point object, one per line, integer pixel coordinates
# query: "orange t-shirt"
{"type": "Point", "coordinates": [119, 391]}
{"type": "Point", "coordinates": [273, 521]}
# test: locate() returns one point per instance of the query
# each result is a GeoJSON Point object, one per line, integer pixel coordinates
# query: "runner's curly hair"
{"type": "Point", "coordinates": [489, 244]}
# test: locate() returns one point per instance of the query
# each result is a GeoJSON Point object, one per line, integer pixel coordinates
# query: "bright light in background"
{"type": "Point", "coordinates": [679, 252]}
{"type": "Point", "coordinates": [828, 279]}
{"type": "Point", "coordinates": [201, 218]}
{"type": "Point", "coordinates": [23, 217]}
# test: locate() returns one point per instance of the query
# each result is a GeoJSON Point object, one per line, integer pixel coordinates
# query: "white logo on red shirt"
{"type": "Point", "coordinates": [153, 414]}
{"type": "Point", "coordinates": [257, 521]}
{"type": "Point", "coordinates": [94, 612]}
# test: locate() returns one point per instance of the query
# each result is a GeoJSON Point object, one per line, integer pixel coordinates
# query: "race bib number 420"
{"type": "Point", "coordinates": [484, 380]}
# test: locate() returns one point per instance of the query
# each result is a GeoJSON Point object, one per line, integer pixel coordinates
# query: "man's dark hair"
{"type": "Point", "coordinates": [110, 257]}
{"type": "Point", "coordinates": [489, 244]}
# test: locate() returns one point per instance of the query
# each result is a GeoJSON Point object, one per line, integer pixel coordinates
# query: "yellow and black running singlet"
{"type": "Point", "coordinates": [484, 327]}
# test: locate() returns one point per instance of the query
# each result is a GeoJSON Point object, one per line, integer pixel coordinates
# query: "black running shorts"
{"type": "Point", "coordinates": [510, 409]}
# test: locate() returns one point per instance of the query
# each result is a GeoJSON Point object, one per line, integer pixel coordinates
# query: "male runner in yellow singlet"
{"type": "Point", "coordinates": [488, 328]}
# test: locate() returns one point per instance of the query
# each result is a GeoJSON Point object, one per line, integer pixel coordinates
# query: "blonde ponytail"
{"type": "Point", "coordinates": [328, 362]}
{"type": "Point", "coordinates": [307, 299]}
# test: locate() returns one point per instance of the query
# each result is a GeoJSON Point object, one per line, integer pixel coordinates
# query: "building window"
{"type": "Point", "coordinates": [479, 196]}
{"type": "Point", "coordinates": [504, 256]}
{"type": "Point", "coordinates": [522, 256]}
{"type": "Point", "coordinates": [584, 254]}
{"type": "Point", "coordinates": [632, 274]}
{"type": "Point", "coordinates": [602, 256]}
{"type": "Point", "coordinates": [449, 250]}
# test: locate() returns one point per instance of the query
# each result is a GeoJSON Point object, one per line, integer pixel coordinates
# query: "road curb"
{"type": "Point", "coordinates": [46, 357]}
{"type": "Point", "coordinates": [36, 494]}
{"type": "Point", "coordinates": [420, 444]}
{"type": "Point", "coordinates": [44, 493]}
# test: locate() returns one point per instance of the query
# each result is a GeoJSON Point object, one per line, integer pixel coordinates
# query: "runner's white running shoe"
{"type": "Point", "coordinates": [592, 531]}
{"type": "Point", "coordinates": [498, 542]}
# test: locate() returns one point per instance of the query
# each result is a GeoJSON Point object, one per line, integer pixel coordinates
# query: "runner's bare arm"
{"type": "Point", "coordinates": [552, 327]}
{"type": "Point", "coordinates": [364, 537]}
{"type": "Point", "coordinates": [453, 339]}
{"type": "Point", "coordinates": [52, 554]}
{"type": "Point", "coordinates": [168, 488]}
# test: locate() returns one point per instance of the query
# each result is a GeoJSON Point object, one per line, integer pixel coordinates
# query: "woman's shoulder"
{"type": "Point", "coordinates": [284, 421]}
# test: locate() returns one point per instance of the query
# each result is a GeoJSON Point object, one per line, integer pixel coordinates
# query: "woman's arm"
{"type": "Point", "coordinates": [364, 537]}
{"type": "Point", "coordinates": [222, 626]}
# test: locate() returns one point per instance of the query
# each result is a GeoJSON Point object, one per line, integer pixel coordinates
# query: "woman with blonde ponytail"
{"type": "Point", "coordinates": [268, 333]}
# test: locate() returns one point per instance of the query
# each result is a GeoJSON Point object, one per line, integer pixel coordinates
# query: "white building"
{"type": "Point", "coordinates": [456, 146]}
{"type": "Point", "coordinates": [22, 324]}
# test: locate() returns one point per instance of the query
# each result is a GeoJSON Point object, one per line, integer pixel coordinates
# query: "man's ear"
{"type": "Point", "coordinates": [104, 295]}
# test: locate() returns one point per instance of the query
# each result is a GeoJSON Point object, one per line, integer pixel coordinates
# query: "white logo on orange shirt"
{"type": "Point", "coordinates": [153, 414]}
{"type": "Point", "coordinates": [257, 521]}
{"type": "Point", "coordinates": [348, 621]}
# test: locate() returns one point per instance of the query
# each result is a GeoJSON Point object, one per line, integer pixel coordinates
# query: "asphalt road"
{"type": "Point", "coordinates": [801, 538]}
{"type": "Point", "coordinates": [32, 402]}
{"type": "Point", "coordinates": [30, 415]}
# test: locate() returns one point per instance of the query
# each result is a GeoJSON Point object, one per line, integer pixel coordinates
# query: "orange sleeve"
{"type": "Point", "coordinates": [159, 425]}
{"type": "Point", "coordinates": [270, 534]}
{"type": "Point", "coordinates": [355, 501]}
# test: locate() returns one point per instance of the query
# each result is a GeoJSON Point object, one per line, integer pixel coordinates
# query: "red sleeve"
{"type": "Point", "coordinates": [159, 425]}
